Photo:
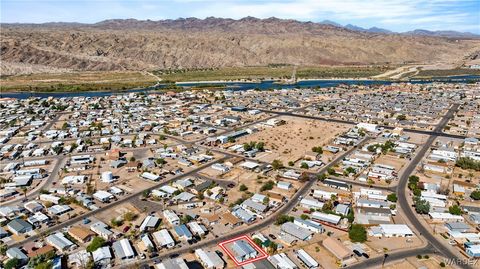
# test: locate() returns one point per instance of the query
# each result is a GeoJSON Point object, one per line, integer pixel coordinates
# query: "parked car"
{"type": "Point", "coordinates": [357, 253]}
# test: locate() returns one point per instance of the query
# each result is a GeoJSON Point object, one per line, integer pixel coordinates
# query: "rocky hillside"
{"type": "Point", "coordinates": [212, 42]}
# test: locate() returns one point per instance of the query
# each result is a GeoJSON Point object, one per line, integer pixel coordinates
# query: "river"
{"type": "Point", "coordinates": [264, 85]}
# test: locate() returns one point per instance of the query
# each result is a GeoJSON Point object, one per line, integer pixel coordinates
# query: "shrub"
{"type": "Point", "coordinates": [357, 233]}
{"type": "Point", "coordinates": [243, 187]}
{"type": "Point", "coordinates": [283, 219]}
{"type": "Point", "coordinates": [392, 197]}
{"type": "Point", "coordinates": [97, 242]}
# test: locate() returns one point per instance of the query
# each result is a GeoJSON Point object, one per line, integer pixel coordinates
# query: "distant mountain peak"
{"type": "Point", "coordinates": [442, 33]}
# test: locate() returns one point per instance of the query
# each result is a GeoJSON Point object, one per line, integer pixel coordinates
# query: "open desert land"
{"type": "Point", "coordinates": [290, 141]}
{"type": "Point", "coordinates": [253, 182]}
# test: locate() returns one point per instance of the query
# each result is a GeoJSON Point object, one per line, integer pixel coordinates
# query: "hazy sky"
{"type": "Point", "coordinates": [395, 15]}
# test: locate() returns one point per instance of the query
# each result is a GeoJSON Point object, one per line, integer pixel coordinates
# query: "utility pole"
{"type": "Point", "coordinates": [384, 258]}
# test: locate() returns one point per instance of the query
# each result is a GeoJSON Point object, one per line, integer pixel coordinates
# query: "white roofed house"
{"type": "Point", "coordinates": [311, 203]}
{"type": "Point", "coordinates": [282, 261]}
{"type": "Point", "coordinates": [103, 196]}
{"type": "Point", "coordinates": [149, 223]}
{"type": "Point", "coordinates": [309, 225]}
{"type": "Point", "coordinates": [74, 180]}
{"type": "Point", "coordinates": [242, 250]}
{"type": "Point", "coordinates": [163, 238]}
{"type": "Point", "coordinates": [123, 249]}
{"type": "Point", "coordinates": [209, 259]}
{"type": "Point", "coordinates": [395, 230]}
{"type": "Point", "coordinates": [296, 231]}
{"type": "Point", "coordinates": [102, 256]}
{"type": "Point", "coordinates": [254, 206]}
{"type": "Point", "coordinates": [60, 242]}
{"type": "Point", "coordinates": [171, 217]}
{"type": "Point", "coordinates": [446, 154]}
{"type": "Point", "coordinates": [284, 185]}
{"type": "Point", "coordinates": [197, 228]}
{"type": "Point", "coordinates": [102, 230]}
{"type": "Point", "coordinates": [177, 263]}
{"type": "Point", "coordinates": [329, 218]}
{"type": "Point", "coordinates": [306, 259]}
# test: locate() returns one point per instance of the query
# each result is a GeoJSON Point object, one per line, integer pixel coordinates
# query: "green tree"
{"type": "Point", "coordinates": [327, 206]}
{"type": "Point", "coordinates": [97, 242]}
{"type": "Point", "coordinates": [260, 146]}
{"type": "Point", "coordinates": [468, 163]}
{"type": "Point", "coordinates": [455, 210]}
{"type": "Point", "coordinates": [318, 150]}
{"type": "Point", "coordinates": [422, 206]}
{"type": "Point", "coordinates": [272, 247]}
{"type": "Point", "coordinates": [186, 219]}
{"type": "Point", "coordinates": [243, 187]}
{"type": "Point", "coordinates": [357, 233]}
{"type": "Point", "coordinates": [392, 197]}
{"type": "Point", "coordinates": [283, 219]}
{"type": "Point", "coordinates": [257, 242]}
{"type": "Point", "coordinates": [3, 249]}
{"type": "Point", "coordinates": [304, 216]}
{"type": "Point", "coordinates": [331, 171]}
{"type": "Point", "coordinates": [349, 170]}
{"type": "Point", "coordinates": [12, 263]}
{"type": "Point", "coordinates": [321, 177]}
{"type": "Point", "coordinates": [267, 186]}
{"type": "Point", "coordinates": [304, 165]}
{"type": "Point", "coordinates": [277, 164]}
{"type": "Point", "coordinates": [351, 216]}
{"type": "Point", "coordinates": [475, 195]}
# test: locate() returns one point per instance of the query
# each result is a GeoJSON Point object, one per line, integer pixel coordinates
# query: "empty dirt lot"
{"type": "Point", "coordinates": [290, 142]}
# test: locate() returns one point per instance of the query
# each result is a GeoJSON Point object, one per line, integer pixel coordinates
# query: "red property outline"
{"type": "Point", "coordinates": [250, 241]}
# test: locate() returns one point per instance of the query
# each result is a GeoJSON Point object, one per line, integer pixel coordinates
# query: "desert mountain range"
{"type": "Point", "coordinates": [214, 42]}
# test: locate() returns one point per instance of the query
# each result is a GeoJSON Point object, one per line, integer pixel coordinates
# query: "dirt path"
{"type": "Point", "coordinates": [398, 73]}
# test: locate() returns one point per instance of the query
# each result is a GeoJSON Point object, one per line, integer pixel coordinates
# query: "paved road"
{"type": "Point", "coordinates": [436, 131]}
{"type": "Point", "coordinates": [128, 198]}
{"type": "Point", "coordinates": [403, 200]}
{"type": "Point", "coordinates": [377, 261]}
{"type": "Point", "coordinates": [403, 196]}
{"type": "Point", "coordinates": [268, 221]}
{"type": "Point", "coordinates": [59, 163]}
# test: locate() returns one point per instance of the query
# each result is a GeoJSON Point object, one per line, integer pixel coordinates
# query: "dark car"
{"type": "Point", "coordinates": [272, 236]}
{"type": "Point", "coordinates": [174, 256]}
{"type": "Point", "coordinates": [231, 185]}
{"type": "Point", "coordinates": [365, 255]}
{"type": "Point", "coordinates": [126, 229]}
{"type": "Point", "coordinates": [357, 253]}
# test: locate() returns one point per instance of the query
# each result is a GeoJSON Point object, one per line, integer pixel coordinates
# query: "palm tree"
{"type": "Point", "coordinates": [2, 181]}
{"type": "Point", "coordinates": [24, 190]}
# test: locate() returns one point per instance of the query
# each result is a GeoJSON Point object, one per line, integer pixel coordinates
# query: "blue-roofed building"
{"type": "Point", "coordinates": [242, 250]}
{"type": "Point", "coordinates": [17, 254]}
{"type": "Point", "coordinates": [183, 232]}
{"type": "Point", "coordinates": [472, 250]}
{"type": "Point", "coordinates": [19, 226]}
{"type": "Point", "coordinates": [243, 214]}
